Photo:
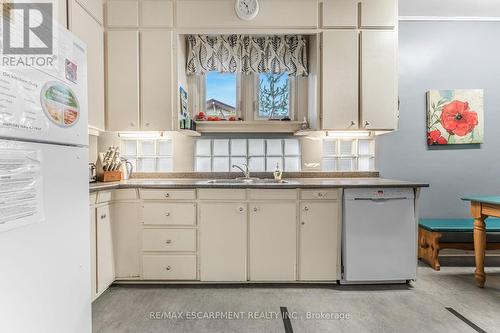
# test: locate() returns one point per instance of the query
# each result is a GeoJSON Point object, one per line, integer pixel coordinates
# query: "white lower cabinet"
{"type": "Point", "coordinates": [126, 225]}
{"type": "Point", "coordinates": [319, 241]}
{"type": "Point", "coordinates": [104, 241]}
{"type": "Point", "coordinates": [223, 241]}
{"type": "Point", "coordinates": [169, 267]}
{"type": "Point", "coordinates": [273, 241]}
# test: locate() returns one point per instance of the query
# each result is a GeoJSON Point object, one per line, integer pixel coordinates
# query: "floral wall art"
{"type": "Point", "coordinates": [455, 117]}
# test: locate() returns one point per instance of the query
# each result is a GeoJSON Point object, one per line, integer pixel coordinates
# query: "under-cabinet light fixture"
{"type": "Point", "coordinates": [140, 135]}
{"type": "Point", "coordinates": [349, 134]}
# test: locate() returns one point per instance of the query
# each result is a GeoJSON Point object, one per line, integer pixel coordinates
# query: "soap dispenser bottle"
{"type": "Point", "coordinates": [277, 173]}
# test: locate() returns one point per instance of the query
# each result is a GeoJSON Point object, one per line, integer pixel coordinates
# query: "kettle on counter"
{"type": "Point", "coordinates": [127, 168]}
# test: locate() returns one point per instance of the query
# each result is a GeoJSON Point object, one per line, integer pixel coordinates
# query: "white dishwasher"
{"type": "Point", "coordinates": [379, 236]}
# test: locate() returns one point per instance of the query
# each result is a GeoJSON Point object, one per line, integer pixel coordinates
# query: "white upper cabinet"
{"type": "Point", "coordinates": [157, 13]}
{"type": "Point", "coordinates": [272, 14]}
{"type": "Point", "coordinates": [94, 7]}
{"type": "Point", "coordinates": [379, 99]}
{"type": "Point", "coordinates": [378, 14]}
{"type": "Point", "coordinates": [123, 80]}
{"type": "Point", "coordinates": [91, 32]}
{"type": "Point", "coordinates": [156, 80]}
{"type": "Point", "coordinates": [122, 13]}
{"type": "Point", "coordinates": [340, 13]}
{"type": "Point", "coordinates": [340, 79]}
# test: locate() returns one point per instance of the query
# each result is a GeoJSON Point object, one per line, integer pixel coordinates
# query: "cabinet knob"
{"type": "Point", "coordinates": [320, 194]}
{"type": "Point", "coordinates": [168, 268]}
{"type": "Point", "coordinates": [147, 124]}
{"type": "Point", "coordinates": [367, 123]}
{"type": "Point", "coordinates": [167, 214]}
{"type": "Point", "coordinates": [167, 195]}
{"type": "Point", "coordinates": [103, 216]}
{"type": "Point", "coordinates": [241, 209]}
{"type": "Point", "coordinates": [168, 241]}
{"type": "Point", "coordinates": [353, 123]}
{"type": "Point", "coordinates": [132, 125]}
{"type": "Point", "coordinates": [255, 209]}
{"type": "Point", "coordinates": [302, 223]}
{"type": "Point", "coordinates": [306, 208]}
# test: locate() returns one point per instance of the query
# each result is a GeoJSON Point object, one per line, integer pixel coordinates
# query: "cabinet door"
{"type": "Point", "coordinates": [123, 80]}
{"type": "Point", "coordinates": [340, 13]}
{"type": "Point", "coordinates": [157, 13]}
{"type": "Point", "coordinates": [93, 253]}
{"type": "Point", "coordinates": [156, 80]}
{"type": "Point", "coordinates": [91, 32]}
{"type": "Point", "coordinates": [319, 240]}
{"type": "Point", "coordinates": [223, 241]}
{"type": "Point", "coordinates": [122, 13]}
{"type": "Point", "coordinates": [273, 241]}
{"type": "Point", "coordinates": [340, 79]}
{"type": "Point", "coordinates": [127, 228]}
{"type": "Point", "coordinates": [379, 79]}
{"type": "Point", "coordinates": [105, 262]}
{"type": "Point", "coordinates": [379, 13]}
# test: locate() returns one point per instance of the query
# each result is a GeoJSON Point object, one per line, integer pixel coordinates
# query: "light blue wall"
{"type": "Point", "coordinates": [445, 55]}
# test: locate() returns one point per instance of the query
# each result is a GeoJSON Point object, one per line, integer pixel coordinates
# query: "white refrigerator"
{"type": "Point", "coordinates": [44, 215]}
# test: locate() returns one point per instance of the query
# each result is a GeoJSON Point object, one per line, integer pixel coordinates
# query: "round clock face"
{"type": "Point", "coordinates": [247, 9]}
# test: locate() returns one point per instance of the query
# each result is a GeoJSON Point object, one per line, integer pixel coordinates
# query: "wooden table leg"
{"type": "Point", "coordinates": [479, 242]}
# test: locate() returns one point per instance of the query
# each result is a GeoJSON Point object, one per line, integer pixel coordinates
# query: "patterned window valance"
{"type": "Point", "coordinates": [247, 54]}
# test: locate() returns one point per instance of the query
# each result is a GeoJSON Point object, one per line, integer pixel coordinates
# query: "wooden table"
{"type": "Point", "coordinates": [481, 208]}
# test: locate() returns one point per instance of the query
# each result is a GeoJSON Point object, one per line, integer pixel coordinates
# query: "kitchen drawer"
{"type": "Point", "coordinates": [169, 267]}
{"type": "Point", "coordinates": [92, 198]}
{"type": "Point", "coordinates": [104, 196]}
{"type": "Point", "coordinates": [168, 194]}
{"type": "Point", "coordinates": [161, 213]}
{"type": "Point", "coordinates": [221, 194]}
{"type": "Point", "coordinates": [170, 240]}
{"type": "Point", "coordinates": [319, 194]}
{"type": "Point", "coordinates": [125, 194]}
{"type": "Point", "coordinates": [273, 194]}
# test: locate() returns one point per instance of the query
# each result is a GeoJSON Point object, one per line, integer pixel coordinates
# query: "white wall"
{"type": "Point", "coordinates": [445, 55]}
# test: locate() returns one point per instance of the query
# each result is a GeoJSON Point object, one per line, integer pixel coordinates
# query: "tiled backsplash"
{"type": "Point", "coordinates": [348, 155]}
{"type": "Point", "coordinates": [148, 155]}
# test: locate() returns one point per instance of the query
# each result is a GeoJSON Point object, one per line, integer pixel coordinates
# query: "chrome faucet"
{"type": "Point", "coordinates": [246, 171]}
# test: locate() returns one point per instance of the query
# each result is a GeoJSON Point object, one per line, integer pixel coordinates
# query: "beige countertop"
{"type": "Point", "coordinates": [158, 183]}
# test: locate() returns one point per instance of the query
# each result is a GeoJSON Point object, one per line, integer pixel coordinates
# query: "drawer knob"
{"type": "Point", "coordinates": [167, 195]}
{"type": "Point", "coordinates": [168, 268]}
{"type": "Point", "coordinates": [103, 216]}
{"type": "Point", "coordinates": [168, 241]}
{"type": "Point", "coordinates": [255, 209]}
{"type": "Point", "coordinates": [306, 208]}
{"type": "Point", "coordinates": [167, 214]}
{"type": "Point", "coordinates": [241, 209]}
{"type": "Point", "coordinates": [303, 223]}
{"type": "Point", "coordinates": [320, 194]}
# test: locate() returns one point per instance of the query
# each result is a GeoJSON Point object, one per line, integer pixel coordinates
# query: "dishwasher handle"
{"type": "Point", "coordinates": [380, 199]}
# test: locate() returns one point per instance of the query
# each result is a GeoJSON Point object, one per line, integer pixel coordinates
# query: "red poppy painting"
{"type": "Point", "coordinates": [455, 117]}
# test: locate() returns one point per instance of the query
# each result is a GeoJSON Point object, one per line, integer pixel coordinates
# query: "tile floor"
{"type": "Point", "coordinates": [420, 307]}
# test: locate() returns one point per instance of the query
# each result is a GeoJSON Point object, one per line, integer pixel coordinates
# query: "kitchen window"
{"type": "Point", "coordinates": [148, 155]}
{"type": "Point", "coordinates": [273, 91]}
{"type": "Point", "coordinates": [221, 95]}
{"type": "Point", "coordinates": [348, 154]}
{"type": "Point", "coordinates": [261, 155]}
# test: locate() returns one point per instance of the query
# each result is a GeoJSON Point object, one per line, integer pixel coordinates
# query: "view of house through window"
{"type": "Point", "coordinates": [221, 95]}
{"type": "Point", "coordinates": [273, 96]}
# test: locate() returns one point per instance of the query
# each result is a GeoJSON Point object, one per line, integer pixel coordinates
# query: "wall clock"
{"type": "Point", "coordinates": [246, 9]}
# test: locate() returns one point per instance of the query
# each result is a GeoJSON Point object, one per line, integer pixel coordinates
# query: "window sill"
{"type": "Point", "coordinates": [257, 126]}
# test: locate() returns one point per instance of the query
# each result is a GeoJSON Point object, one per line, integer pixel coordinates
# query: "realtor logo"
{"type": "Point", "coordinates": [27, 28]}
